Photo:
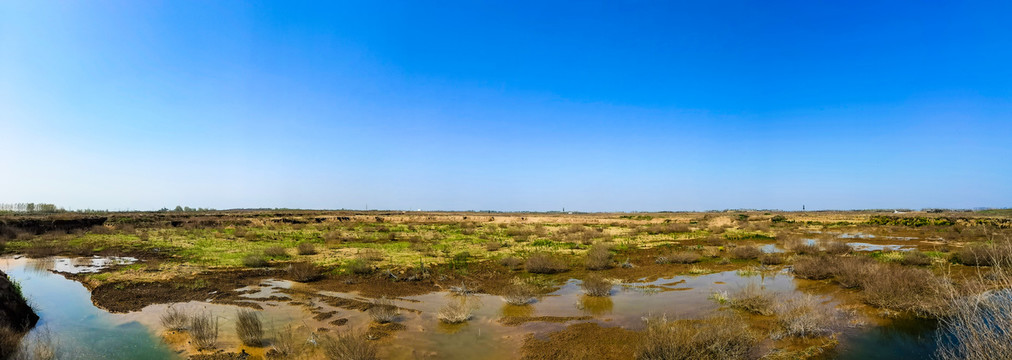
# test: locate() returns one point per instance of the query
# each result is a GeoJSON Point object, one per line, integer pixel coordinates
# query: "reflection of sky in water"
{"type": "Point", "coordinates": [80, 330]}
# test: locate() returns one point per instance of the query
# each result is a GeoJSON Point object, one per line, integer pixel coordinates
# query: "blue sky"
{"type": "Point", "coordinates": [516, 105]}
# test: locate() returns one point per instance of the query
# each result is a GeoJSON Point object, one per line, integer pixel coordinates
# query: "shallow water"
{"type": "Point", "coordinates": [79, 329]}
{"type": "Point", "coordinates": [86, 332]}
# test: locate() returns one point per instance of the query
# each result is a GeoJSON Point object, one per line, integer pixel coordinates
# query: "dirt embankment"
{"type": "Point", "coordinates": [15, 313]}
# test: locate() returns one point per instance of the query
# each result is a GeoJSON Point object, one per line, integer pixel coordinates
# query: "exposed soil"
{"type": "Point", "coordinates": [583, 341]}
{"type": "Point", "coordinates": [217, 286]}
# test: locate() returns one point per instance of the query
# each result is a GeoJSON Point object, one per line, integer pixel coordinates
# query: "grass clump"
{"type": "Point", "coordinates": [812, 268]}
{"type": "Point", "coordinates": [276, 252]}
{"type": "Point", "coordinates": [249, 327]}
{"type": "Point", "coordinates": [174, 319]}
{"type": "Point", "coordinates": [599, 257]}
{"type": "Point", "coordinates": [383, 311]}
{"type": "Point", "coordinates": [771, 258]}
{"type": "Point", "coordinates": [837, 248]}
{"type": "Point", "coordinates": [359, 266]}
{"type": "Point", "coordinates": [544, 263]}
{"type": "Point", "coordinates": [304, 271]}
{"type": "Point", "coordinates": [752, 298]}
{"type": "Point", "coordinates": [745, 252]}
{"type": "Point", "coordinates": [284, 344]}
{"type": "Point", "coordinates": [912, 290]}
{"type": "Point", "coordinates": [851, 272]}
{"type": "Point", "coordinates": [915, 258]}
{"type": "Point", "coordinates": [716, 337]}
{"type": "Point", "coordinates": [204, 331]}
{"type": "Point", "coordinates": [518, 295]}
{"type": "Point", "coordinates": [683, 257]}
{"type": "Point", "coordinates": [456, 312]}
{"type": "Point", "coordinates": [804, 318]}
{"type": "Point", "coordinates": [348, 346]}
{"type": "Point", "coordinates": [511, 262]}
{"type": "Point", "coordinates": [306, 249]}
{"type": "Point", "coordinates": [254, 261]}
{"type": "Point", "coordinates": [596, 286]}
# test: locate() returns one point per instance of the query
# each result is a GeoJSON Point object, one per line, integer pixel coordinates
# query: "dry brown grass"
{"type": "Point", "coordinates": [254, 260]}
{"type": "Point", "coordinates": [511, 262]}
{"type": "Point", "coordinates": [812, 268]}
{"type": "Point", "coordinates": [348, 346]}
{"type": "Point", "coordinates": [771, 258]}
{"type": "Point", "coordinates": [284, 344]}
{"type": "Point", "coordinates": [837, 248]}
{"type": "Point", "coordinates": [249, 327]}
{"type": "Point", "coordinates": [716, 337]}
{"type": "Point", "coordinates": [912, 290]}
{"type": "Point", "coordinates": [518, 295]}
{"type": "Point", "coordinates": [383, 311]}
{"type": "Point", "coordinates": [682, 257]}
{"type": "Point", "coordinates": [915, 258]}
{"type": "Point", "coordinates": [306, 249]}
{"type": "Point", "coordinates": [204, 331]}
{"type": "Point", "coordinates": [599, 257]}
{"type": "Point", "coordinates": [304, 271]}
{"type": "Point", "coordinates": [803, 317]}
{"type": "Point", "coordinates": [752, 298]}
{"type": "Point", "coordinates": [544, 263]}
{"type": "Point", "coordinates": [745, 252]}
{"type": "Point", "coordinates": [276, 252]}
{"type": "Point", "coordinates": [851, 272]}
{"type": "Point", "coordinates": [456, 311]}
{"type": "Point", "coordinates": [595, 285]}
{"type": "Point", "coordinates": [174, 320]}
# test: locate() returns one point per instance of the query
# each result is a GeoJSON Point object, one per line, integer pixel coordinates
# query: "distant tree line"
{"type": "Point", "coordinates": [31, 208]}
{"type": "Point", "coordinates": [184, 209]}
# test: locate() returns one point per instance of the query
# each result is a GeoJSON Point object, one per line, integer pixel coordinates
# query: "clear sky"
{"type": "Point", "coordinates": [513, 105]}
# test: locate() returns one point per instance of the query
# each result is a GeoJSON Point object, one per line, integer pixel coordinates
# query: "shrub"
{"type": "Point", "coordinates": [974, 255]}
{"type": "Point", "coordinates": [359, 266]}
{"type": "Point", "coordinates": [306, 249]}
{"type": "Point", "coordinates": [174, 320]}
{"type": "Point", "coordinates": [254, 261]}
{"type": "Point", "coordinates": [745, 252]}
{"type": "Point", "coordinates": [493, 245]}
{"type": "Point", "coordinates": [383, 311]}
{"type": "Point", "coordinates": [204, 331]}
{"type": "Point", "coordinates": [285, 344]}
{"type": "Point", "coordinates": [850, 272]}
{"type": "Point", "coordinates": [511, 262]}
{"type": "Point", "coordinates": [812, 268]}
{"type": "Point", "coordinates": [304, 271]}
{"type": "Point", "coordinates": [978, 328]}
{"type": "Point", "coordinates": [803, 317]}
{"type": "Point", "coordinates": [276, 252]}
{"type": "Point", "coordinates": [771, 258]}
{"type": "Point", "coordinates": [455, 312]}
{"type": "Point", "coordinates": [716, 337]}
{"type": "Point", "coordinates": [348, 346]}
{"type": "Point", "coordinates": [752, 298]}
{"type": "Point", "coordinates": [914, 290]}
{"type": "Point", "coordinates": [837, 248]}
{"type": "Point", "coordinates": [915, 258]}
{"type": "Point", "coordinates": [683, 257]}
{"type": "Point", "coordinates": [543, 263]}
{"type": "Point", "coordinates": [249, 327]}
{"type": "Point", "coordinates": [518, 295]}
{"type": "Point", "coordinates": [599, 257]}
{"type": "Point", "coordinates": [596, 286]}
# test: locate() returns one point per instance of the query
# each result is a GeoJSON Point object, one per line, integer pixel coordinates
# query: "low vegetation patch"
{"type": "Point", "coordinates": [204, 331]}
{"type": "Point", "coordinates": [745, 252]}
{"type": "Point", "coordinates": [249, 327]}
{"type": "Point", "coordinates": [717, 337]}
{"type": "Point", "coordinates": [752, 298]}
{"type": "Point", "coordinates": [599, 257]}
{"type": "Point", "coordinates": [596, 286]}
{"type": "Point", "coordinates": [174, 319]}
{"type": "Point", "coordinates": [683, 257]}
{"type": "Point", "coordinates": [304, 271]}
{"type": "Point", "coordinates": [544, 263]}
{"type": "Point", "coordinates": [348, 346]}
{"type": "Point", "coordinates": [803, 317]}
{"type": "Point", "coordinates": [383, 311]}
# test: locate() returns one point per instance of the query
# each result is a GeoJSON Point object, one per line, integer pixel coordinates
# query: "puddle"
{"type": "Point", "coordinates": [771, 248]}
{"type": "Point", "coordinates": [858, 246]}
